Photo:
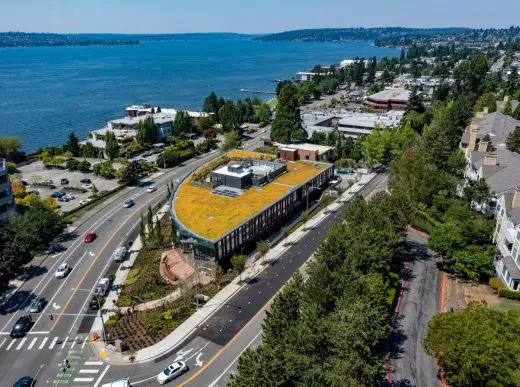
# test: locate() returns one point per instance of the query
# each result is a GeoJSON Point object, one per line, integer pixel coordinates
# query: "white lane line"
{"type": "Point", "coordinates": [88, 371]}
{"type": "Point", "coordinates": [74, 342]}
{"type": "Point", "coordinates": [20, 345]}
{"type": "Point", "coordinates": [65, 342]}
{"type": "Point", "coordinates": [235, 360]}
{"type": "Point", "coordinates": [53, 343]}
{"type": "Point", "coordinates": [43, 343]}
{"type": "Point", "coordinates": [84, 342]}
{"type": "Point", "coordinates": [102, 375]}
{"type": "Point", "coordinates": [5, 333]}
{"type": "Point", "coordinates": [83, 380]}
{"type": "Point", "coordinates": [32, 343]}
{"type": "Point", "coordinates": [3, 342]}
{"type": "Point", "coordinates": [39, 333]}
{"type": "Point", "coordinates": [10, 345]}
{"type": "Point", "coordinates": [93, 363]}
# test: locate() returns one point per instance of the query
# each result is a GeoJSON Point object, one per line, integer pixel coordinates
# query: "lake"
{"type": "Point", "coordinates": [46, 92]}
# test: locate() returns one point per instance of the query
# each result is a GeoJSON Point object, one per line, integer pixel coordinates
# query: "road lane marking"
{"type": "Point", "coordinates": [235, 359]}
{"type": "Point", "coordinates": [93, 363]}
{"type": "Point", "coordinates": [83, 380]}
{"type": "Point", "coordinates": [21, 343]}
{"type": "Point", "coordinates": [100, 253]}
{"type": "Point", "coordinates": [43, 343]}
{"type": "Point", "coordinates": [10, 345]}
{"type": "Point", "coordinates": [3, 342]}
{"type": "Point", "coordinates": [88, 371]}
{"type": "Point", "coordinates": [84, 342]}
{"type": "Point", "coordinates": [53, 343]}
{"type": "Point", "coordinates": [32, 343]}
{"type": "Point", "coordinates": [102, 375]}
{"type": "Point", "coordinates": [65, 342]}
{"type": "Point", "coordinates": [39, 333]}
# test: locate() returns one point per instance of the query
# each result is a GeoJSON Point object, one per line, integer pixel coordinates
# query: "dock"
{"type": "Point", "coordinates": [257, 91]}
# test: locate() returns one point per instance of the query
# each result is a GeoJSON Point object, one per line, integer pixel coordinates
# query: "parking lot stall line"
{"type": "Point", "coordinates": [10, 345]}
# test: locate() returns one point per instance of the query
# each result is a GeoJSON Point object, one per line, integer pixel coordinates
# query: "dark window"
{"type": "Point", "coordinates": [3, 194]}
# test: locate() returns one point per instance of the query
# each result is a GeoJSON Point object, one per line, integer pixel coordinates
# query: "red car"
{"type": "Point", "coordinates": [90, 237]}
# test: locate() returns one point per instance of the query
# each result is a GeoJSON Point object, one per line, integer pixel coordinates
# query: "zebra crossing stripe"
{"type": "Point", "coordinates": [83, 380]}
{"type": "Point", "coordinates": [10, 345]}
{"type": "Point", "coordinates": [88, 371]}
{"type": "Point", "coordinates": [65, 342]}
{"type": "Point", "coordinates": [93, 363]}
{"type": "Point", "coordinates": [3, 342]}
{"type": "Point", "coordinates": [54, 341]}
{"type": "Point", "coordinates": [43, 342]}
{"type": "Point", "coordinates": [20, 345]}
{"type": "Point", "coordinates": [32, 343]}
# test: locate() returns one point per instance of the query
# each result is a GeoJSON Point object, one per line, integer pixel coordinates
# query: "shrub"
{"type": "Point", "coordinates": [510, 294]}
{"type": "Point", "coordinates": [72, 165]}
{"type": "Point", "coordinates": [84, 166]}
{"type": "Point", "coordinates": [105, 169]}
{"type": "Point", "coordinates": [132, 278]}
{"type": "Point", "coordinates": [11, 167]}
{"type": "Point", "coordinates": [495, 284]}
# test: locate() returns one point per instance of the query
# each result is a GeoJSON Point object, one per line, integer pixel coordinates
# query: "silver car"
{"type": "Point", "coordinates": [172, 371]}
{"type": "Point", "coordinates": [37, 305]}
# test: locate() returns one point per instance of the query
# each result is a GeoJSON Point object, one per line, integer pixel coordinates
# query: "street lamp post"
{"type": "Point", "coordinates": [309, 194]}
{"type": "Point", "coordinates": [101, 317]}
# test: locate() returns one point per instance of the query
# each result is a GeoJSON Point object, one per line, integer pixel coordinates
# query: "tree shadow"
{"type": "Point", "coordinates": [18, 301]}
{"type": "Point", "coordinates": [32, 272]}
{"type": "Point", "coordinates": [415, 251]}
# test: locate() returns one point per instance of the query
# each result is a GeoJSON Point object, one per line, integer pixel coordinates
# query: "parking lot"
{"type": "Point", "coordinates": [37, 172]}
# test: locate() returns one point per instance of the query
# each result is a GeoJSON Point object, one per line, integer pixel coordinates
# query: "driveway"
{"type": "Point", "coordinates": [409, 364]}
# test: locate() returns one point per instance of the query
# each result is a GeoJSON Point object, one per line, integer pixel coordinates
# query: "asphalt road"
{"type": "Point", "coordinates": [49, 342]}
{"type": "Point", "coordinates": [410, 364]}
{"type": "Point", "coordinates": [212, 351]}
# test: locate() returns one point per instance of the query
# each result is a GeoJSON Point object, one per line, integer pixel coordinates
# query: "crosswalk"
{"type": "Point", "coordinates": [81, 372]}
{"type": "Point", "coordinates": [42, 343]}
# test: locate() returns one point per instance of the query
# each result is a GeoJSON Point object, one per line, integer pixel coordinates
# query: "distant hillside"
{"type": "Point", "coordinates": [32, 39]}
{"type": "Point", "coordinates": [367, 34]}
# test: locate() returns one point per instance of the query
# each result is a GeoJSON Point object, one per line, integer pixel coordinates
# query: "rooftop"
{"type": "Point", "coordinates": [321, 149]}
{"type": "Point", "coordinates": [392, 94]}
{"type": "Point", "coordinates": [211, 216]}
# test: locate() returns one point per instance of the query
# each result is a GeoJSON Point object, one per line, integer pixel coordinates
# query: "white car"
{"type": "Point", "coordinates": [62, 271]}
{"type": "Point", "coordinates": [152, 188]}
{"type": "Point", "coordinates": [86, 186]}
{"type": "Point", "coordinates": [172, 371]}
{"type": "Point", "coordinates": [69, 197]}
{"type": "Point", "coordinates": [85, 201]}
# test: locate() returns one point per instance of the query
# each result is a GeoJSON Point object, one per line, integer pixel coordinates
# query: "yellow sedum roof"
{"type": "Point", "coordinates": [211, 216]}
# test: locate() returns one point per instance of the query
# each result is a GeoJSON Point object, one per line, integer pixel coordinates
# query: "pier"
{"type": "Point", "coordinates": [257, 91]}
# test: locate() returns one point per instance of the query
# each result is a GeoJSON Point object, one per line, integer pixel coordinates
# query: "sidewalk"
{"type": "Point", "coordinates": [184, 330]}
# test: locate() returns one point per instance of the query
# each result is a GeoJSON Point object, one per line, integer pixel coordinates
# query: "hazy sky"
{"type": "Point", "coordinates": [169, 16]}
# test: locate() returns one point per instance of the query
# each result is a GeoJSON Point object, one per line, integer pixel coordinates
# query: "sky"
{"type": "Point", "coordinates": [261, 16]}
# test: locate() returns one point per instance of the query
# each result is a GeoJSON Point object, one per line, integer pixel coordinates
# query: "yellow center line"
{"type": "Point", "coordinates": [58, 317]}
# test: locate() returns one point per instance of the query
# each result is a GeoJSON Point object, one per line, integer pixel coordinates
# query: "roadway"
{"type": "Point", "coordinates": [51, 341]}
{"type": "Point", "coordinates": [212, 351]}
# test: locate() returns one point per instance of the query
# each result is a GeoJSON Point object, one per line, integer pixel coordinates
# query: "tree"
{"type": "Point", "coordinates": [228, 116]}
{"type": "Point", "coordinates": [239, 263]}
{"type": "Point", "coordinates": [415, 103]}
{"type": "Point", "coordinates": [158, 233]}
{"type": "Point", "coordinates": [474, 264]}
{"type": "Point", "coordinates": [286, 231]}
{"type": "Point", "coordinates": [280, 86]}
{"type": "Point", "coordinates": [402, 56]}
{"type": "Point", "coordinates": [447, 238]}
{"type": "Point", "coordinates": [182, 123]}
{"type": "Point", "coordinates": [470, 74]}
{"type": "Point", "coordinates": [477, 192]}
{"type": "Point", "coordinates": [489, 358]}
{"type": "Point", "coordinates": [232, 140]}
{"type": "Point", "coordinates": [263, 112]}
{"type": "Point", "coordinates": [507, 109]}
{"type": "Point", "coordinates": [73, 144]}
{"type": "Point", "coordinates": [263, 248]}
{"type": "Point", "coordinates": [142, 231]}
{"type": "Point", "coordinates": [486, 100]}
{"type": "Point", "coordinates": [304, 218]}
{"type": "Point", "coordinates": [206, 122]}
{"type": "Point", "coordinates": [287, 124]}
{"type": "Point", "coordinates": [516, 113]}
{"type": "Point", "coordinates": [513, 140]}
{"type": "Point", "coordinates": [112, 147]}
{"type": "Point", "coordinates": [149, 220]}
{"type": "Point", "coordinates": [9, 144]}
{"type": "Point", "coordinates": [131, 173]}
{"type": "Point", "coordinates": [146, 133]}
{"type": "Point", "coordinates": [211, 104]}
{"type": "Point", "coordinates": [512, 82]}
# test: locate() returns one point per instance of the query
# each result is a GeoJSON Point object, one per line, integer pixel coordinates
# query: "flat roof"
{"type": "Point", "coordinates": [212, 216]}
{"type": "Point", "coordinates": [392, 94]}
{"type": "Point", "coordinates": [308, 147]}
{"type": "Point", "coordinates": [225, 171]}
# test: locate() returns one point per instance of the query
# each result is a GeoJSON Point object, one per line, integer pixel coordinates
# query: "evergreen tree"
{"type": "Point", "coordinates": [486, 100]}
{"type": "Point", "coordinates": [516, 113]}
{"type": "Point", "coordinates": [287, 124]}
{"type": "Point", "coordinates": [111, 147]}
{"type": "Point", "coordinates": [73, 144]}
{"type": "Point", "coordinates": [506, 109]}
{"type": "Point", "coordinates": [512, 82]}
{"type": "Point", "coordinates": [142, 231]}
{"type": "Point", "coordinates": [403, 55]}
{"type": "Point", "coordinates": [182, 124]}
{"type": "Point", "coordinates": [146, 134]}
{"type": "Point", "coordinates": [150, 220]}
{"type": "Point", "coordinates": [158, 110]}
{"type": "Point", "coordinates": [159, 236]}
{"type": "Point", "coordinates": [228, 116]}
{"type": "Point", "coordinates": [211, 104]}
{"type": "Point", "coordinates": [415, 102]}
{"type": "Point", "coordinates": [513, 140]}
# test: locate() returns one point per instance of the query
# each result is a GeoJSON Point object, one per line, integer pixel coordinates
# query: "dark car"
{"type": "Point", "coordinates": [64, 181]}
{"type": "Point", "coordinates": [37, 305]}
{"type": "Point", "coordinates": [94, 304]}
{"type": "Point", "coordinates": [57, 194]}
{"type": "Point", "coordinates": [22, 326]}
{"type": "Point", "coordinates": [85, 181]}
{"type": "Point", "coordinates": [26, 381]}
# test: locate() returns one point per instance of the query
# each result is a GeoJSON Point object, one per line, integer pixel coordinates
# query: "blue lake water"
{"type": "Point", "coordinates": [46, 92]}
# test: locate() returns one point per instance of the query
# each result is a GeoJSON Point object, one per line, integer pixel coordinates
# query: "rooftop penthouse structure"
{"type": "Point", "coordinates": [224, 207]}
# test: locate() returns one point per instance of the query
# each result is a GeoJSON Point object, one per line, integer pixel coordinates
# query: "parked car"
{"type": "Point", "coordinates": [152, 188]}
{"type": "Point", "coordinates": [37, 305]}
{"type": "Point", "coordinates": [64, 181]}
{"type": "Point", "coordinates": [172, 371]}
{"type": "Point", "coordinates": [86, 186]}
{"type": "Point", "coordinates": [22, 326]}
{"type": "Point", "coordinates": [63, 199]}
{"type": "Point", "coordinates": [85, 181]}
{"type": "Point", "coordinates": [90, 237]}
{"type": "Point", "coordinates": [93, 304]}
{"type": "Point", "coordinates": [57, 194]}
{"type": "Point", "coordinates": [62, 271]}
{"type": "Point", "coordinates": [122, 382]}
{"type": "Point", "coordinates": [84, 201]}
{"type": "Point", "coordinates": [120, 253]}
{"type": "Point", "coordinates": [128, 203]}
{"type": "Point", "coordinates": [33, 192]}
{"type": "Point", "coordinates": [26, 381]}
{"type": "Point", "coordinates": [103, 191]}
{"type": "Point", "coordinates": [69, 197]}
{"type": "Point", "coordinates": [47, 182]}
